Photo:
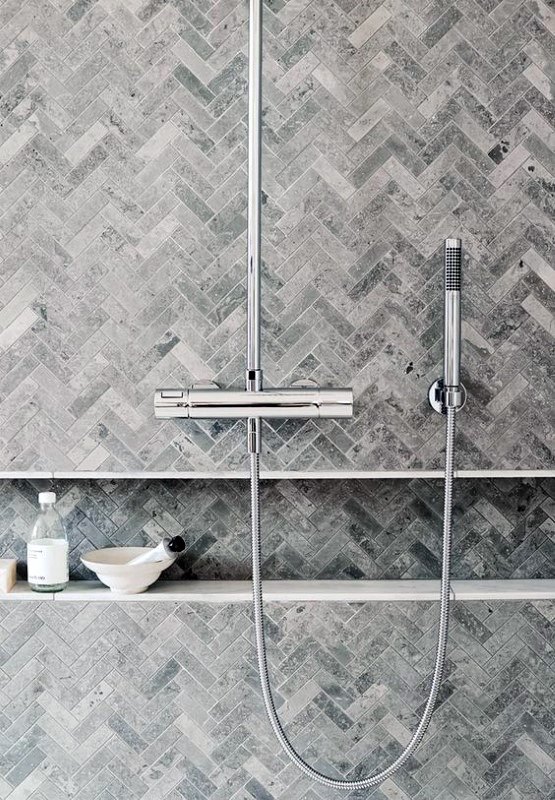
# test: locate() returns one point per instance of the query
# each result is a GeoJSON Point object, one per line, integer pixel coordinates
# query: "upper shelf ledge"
{"type": "Point", "coordinates": [298, 591]}
{"type": "Point", "coordinates": [406, 474]}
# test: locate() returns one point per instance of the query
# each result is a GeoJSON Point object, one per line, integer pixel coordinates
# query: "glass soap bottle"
{"type": "Point", "coordinates": [47, 549]}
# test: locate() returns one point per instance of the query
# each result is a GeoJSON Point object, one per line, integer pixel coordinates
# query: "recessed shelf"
{"type": "Point", "coordinates": [298, 591]}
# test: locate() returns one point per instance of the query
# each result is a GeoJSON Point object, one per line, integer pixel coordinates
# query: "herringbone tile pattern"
{"type": "Point", "coordinates": [161, 701]}
{"type": "Point", "coordinates": [311, 529]}
{"type": "Point", "coordinates": [387, 126]}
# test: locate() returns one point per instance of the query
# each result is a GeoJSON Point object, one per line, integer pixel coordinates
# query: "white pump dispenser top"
{"type": "Point", "coordinates": [47, 498]}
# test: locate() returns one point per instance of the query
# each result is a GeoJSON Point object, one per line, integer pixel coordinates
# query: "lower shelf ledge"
{"type": "Point", "coordinates": [298, 591]}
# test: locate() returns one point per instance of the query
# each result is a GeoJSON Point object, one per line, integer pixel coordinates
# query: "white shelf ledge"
{"type": "Point", "coordinates": [274, 591]}
{"type": "Point", "coordinates": [510, 589]}
{"type": "Point", "coordinates": [298, 591]}
{"type": "Point", "coordinates": [406, 474]}
{"type": "Point", "coordinates": [21, 591]}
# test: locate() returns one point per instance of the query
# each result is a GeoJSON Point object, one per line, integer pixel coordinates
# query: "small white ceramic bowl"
{"type": "Point", "coordinates": [112, 568]}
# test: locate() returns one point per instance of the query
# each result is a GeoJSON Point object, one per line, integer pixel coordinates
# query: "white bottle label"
{"type": "Point", "coordinates": [47, 562]}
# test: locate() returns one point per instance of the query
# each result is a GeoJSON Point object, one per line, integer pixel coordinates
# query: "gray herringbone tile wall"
{"type": "Point", "coordinates": [387, 126]}
{"type": "Point", "coordinates": [311, 529]}
{"type": "Point", "coordinates": [161, 701]}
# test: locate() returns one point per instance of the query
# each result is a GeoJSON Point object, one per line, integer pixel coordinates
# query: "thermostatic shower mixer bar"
{"type": "Point", "coordinates": [213, 403]}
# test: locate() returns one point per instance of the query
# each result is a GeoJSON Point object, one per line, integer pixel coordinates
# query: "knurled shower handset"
{"type": "Point", "coordinates": [448, 391]}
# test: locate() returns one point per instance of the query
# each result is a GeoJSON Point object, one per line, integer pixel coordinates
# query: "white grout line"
{"type": "Point", "coordinates": [300, 591]}
{"type": "Point", "coordinates": [281, 475]}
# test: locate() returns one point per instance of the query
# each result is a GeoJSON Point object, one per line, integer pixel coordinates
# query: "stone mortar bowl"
{"type": "Point", "coordinates": [112, 568]}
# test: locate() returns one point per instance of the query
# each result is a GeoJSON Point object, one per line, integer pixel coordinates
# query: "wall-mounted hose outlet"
{"type": "Point", "coordinates": [442, 397]}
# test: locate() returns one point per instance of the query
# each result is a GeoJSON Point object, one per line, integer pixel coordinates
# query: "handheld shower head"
{"type": "Point", "coordinates": [452, 319]}
{"type": "Point", "coordinates": [448, 392]}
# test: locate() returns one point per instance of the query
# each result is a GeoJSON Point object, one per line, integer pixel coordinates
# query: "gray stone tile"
{"type": "Point", "coordinates": [137, 141]}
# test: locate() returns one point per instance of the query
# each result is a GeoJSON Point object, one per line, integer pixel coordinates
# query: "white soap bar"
{"type": "Point", "coordinates": [7, 574]}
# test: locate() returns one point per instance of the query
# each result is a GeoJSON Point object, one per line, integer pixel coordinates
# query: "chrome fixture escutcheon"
{"type": "Point", "coordinates": [443, 397]}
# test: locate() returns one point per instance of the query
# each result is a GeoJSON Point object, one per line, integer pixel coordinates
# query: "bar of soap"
{"type": "Point", "coordinates": [7, 574]}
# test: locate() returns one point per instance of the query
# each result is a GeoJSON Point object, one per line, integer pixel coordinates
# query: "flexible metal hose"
{"type": "Point", "coordinates": [379, 777]}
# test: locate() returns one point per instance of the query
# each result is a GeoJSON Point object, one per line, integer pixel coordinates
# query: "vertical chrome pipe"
{"type": "Point", "coordinates": [254, 187]}
{"type": "Point", "coordinates": [254, 221]}
{"type": "Point", "coordinates": [452, 329]}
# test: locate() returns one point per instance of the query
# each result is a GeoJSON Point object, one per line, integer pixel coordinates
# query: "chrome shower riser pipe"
{"type": "Point", "coordinates": [254, 218]}
{"type": "Point", "coordinates": [254, 198]}
{"type": "Point", "coordinates": [255, 403]}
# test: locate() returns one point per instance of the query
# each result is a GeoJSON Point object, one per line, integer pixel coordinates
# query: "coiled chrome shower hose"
{"type": "Point", "coordinates": [379, 777]}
